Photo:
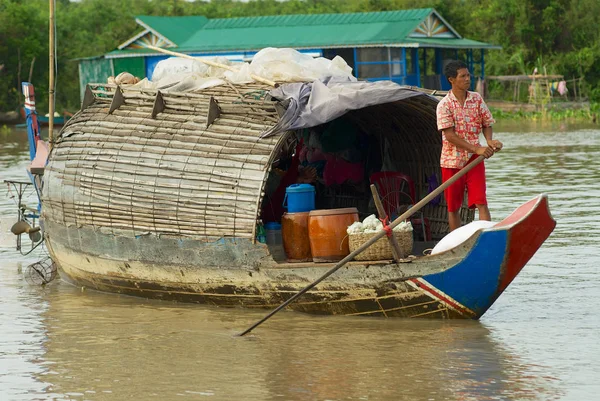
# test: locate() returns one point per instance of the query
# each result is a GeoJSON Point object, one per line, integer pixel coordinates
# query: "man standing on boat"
{"type": "Point", "coordinates": [462, 116]}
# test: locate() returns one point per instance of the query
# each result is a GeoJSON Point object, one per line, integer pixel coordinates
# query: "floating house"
{"type": "Point", "coordinates": [405, 46]}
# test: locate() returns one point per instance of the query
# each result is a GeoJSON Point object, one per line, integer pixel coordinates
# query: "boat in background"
{"type": "Point", "coordinates": [44, 121]}
{"type": "Point", "coordinates": [58, 119]}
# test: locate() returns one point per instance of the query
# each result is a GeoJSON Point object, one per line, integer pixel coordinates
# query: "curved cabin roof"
{"type": "Point", "coordinates": [136, 162]}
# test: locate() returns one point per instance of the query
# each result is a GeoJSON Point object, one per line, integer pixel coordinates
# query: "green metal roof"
{"type": "Point", "coordinates": [316, 36]}
{"type": "Point", "coordinates": [403, 28]}
{"type": "Point", "coordinates": [452, 43]}
{"type": "Point", "coordinates": [133, 53]}
{"type": "Point", "coordinates": [414, 16]}
{"type": "Point", "coordinates": [175, 29]}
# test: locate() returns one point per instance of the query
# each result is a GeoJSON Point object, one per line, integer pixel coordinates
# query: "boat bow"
{"type": "Point", "coordinates": [498, 255]}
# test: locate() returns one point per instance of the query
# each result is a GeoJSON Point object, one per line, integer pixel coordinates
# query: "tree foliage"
{"type": "Point", "coordinates": [560, 35]}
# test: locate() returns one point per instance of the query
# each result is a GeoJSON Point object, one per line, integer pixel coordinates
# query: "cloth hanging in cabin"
{"type": "Point", "coordinates": [314, 103]}
{"type": "Point", "coordinates": [338, 171]}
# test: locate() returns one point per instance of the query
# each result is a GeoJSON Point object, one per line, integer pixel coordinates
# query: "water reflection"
{"type": "Point", "coordinates": [14, 147]}
{"type": "Point", "coordinates": [168, 350]}
{"type": "Point", "coordinates": [22, 336]}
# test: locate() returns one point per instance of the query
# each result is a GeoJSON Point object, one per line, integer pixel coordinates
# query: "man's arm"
{"type": "Point", "coordinates": [461, 143]}
{"type": "Point", "coordinates": [487, 121]}
{"type": "Point", "coordinates": [493, 143]}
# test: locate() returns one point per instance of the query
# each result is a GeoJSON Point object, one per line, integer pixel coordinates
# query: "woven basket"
{"type": "Point", "coordinates": [381, 249]}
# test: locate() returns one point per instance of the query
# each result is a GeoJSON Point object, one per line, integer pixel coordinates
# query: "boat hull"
{"type": "Point", "coordinates": [376, 289]}
{"type": "Point", "coordinates": [460, 283]}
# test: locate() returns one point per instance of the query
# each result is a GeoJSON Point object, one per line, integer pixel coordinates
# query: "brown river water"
{"type": "Point", "coordinates": [540, 341]}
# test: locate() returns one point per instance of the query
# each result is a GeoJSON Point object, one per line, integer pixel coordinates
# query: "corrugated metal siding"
{"type": "Point", "coordinates": [408, 16]}
{"type": "Point", "coordinates": [94, 70]}
{"type": "Point", "coordinates": [129, 174]}
{"type": "Point", "coordinates": [452, 43]}
{"type": "Point", "coordinates": [317, 36]}
{"type": "Point", "coordinates": [305, 31]}
{"type": "Point", "coordinates": [133, 65]}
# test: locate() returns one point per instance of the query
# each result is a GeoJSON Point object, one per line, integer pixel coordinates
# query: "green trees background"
{"type": "Point", "coordinates": [561, 35]}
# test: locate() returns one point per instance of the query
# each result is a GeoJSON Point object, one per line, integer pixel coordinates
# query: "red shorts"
{"type": "Point", "coordinates": [473, 182]}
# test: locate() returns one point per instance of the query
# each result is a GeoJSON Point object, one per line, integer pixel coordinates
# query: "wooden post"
{"type": "Point", "coordinates": [396, 250]}
{"type": "Point", "coordinates": [51, 83]}
{"type": "Point", "coordinates": [31, 69]}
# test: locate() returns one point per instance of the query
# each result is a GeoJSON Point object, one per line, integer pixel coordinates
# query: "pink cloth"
{"type": "Point", "coordinates": [562, 88]}
{"type": "Point", "coordinates": [468, 121]}
{"type": "Point", "coordinates": [337, 171]}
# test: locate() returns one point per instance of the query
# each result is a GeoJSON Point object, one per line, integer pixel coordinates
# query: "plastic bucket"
{"type": "Point", "coordinates": [275, 241]}
{"type": "Point", "coordinates": [299, 198]}
{"type": "Point", "coordinates": [273, 233]}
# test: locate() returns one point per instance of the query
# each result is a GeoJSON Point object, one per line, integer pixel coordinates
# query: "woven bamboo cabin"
{"type": "Point", "coordinates": [408, 47]}
{"type": "Point", "coordinates": [152, 157]}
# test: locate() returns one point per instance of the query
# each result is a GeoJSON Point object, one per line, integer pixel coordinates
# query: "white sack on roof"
{"type": "Point", "coordinates": [280, 65]}
{"type": "Point", "coordinates": [181, 74]}
{"type": "Point", "coordinates": [176, 66]}
{"type": "Point", "coordinates": [289, 65]}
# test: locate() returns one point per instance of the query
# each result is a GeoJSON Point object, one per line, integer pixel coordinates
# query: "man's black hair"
{"type": "Point", "coordinates": [451, 69]}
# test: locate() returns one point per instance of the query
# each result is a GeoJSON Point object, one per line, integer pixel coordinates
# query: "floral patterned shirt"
{"type": "Point", "coordinates": [468, 122]}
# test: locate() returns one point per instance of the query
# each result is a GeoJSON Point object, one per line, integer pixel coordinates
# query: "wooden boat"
{"type": "Point", "coordinates": [44, 121]}
{"type": "Point", "coordinates": [158, 194]}
{"type": "Point", "coordinates": [57, 120]}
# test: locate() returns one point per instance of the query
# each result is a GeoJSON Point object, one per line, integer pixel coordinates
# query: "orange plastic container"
{"type": "Point", "coordinates": [327, 233]}
{"type": "Point", "coordinates": [294, 229]}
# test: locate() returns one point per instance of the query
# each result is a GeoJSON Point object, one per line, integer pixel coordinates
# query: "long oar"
{"type": "Point", "coordinates": [212, 63]}
{"type": "Point", "coordinates": [370, 242]}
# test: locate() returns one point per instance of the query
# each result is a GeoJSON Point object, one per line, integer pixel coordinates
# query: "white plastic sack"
{"type": "Point", "coordinates": [183, 74]}
{"type": "Point", "coordinates": [177, 66]}
{"type": "Point", "coordinates": [289, 65]}
{"type": "Point", "coordinates": [281, 65]}
{"type": "Point", "coordinates": [460, 235]}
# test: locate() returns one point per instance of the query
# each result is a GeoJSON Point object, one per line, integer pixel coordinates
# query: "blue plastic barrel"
{"type": "Point", "coordinates": [273, 233]}
{"type": "Point", "coordinates": [300, 198]}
